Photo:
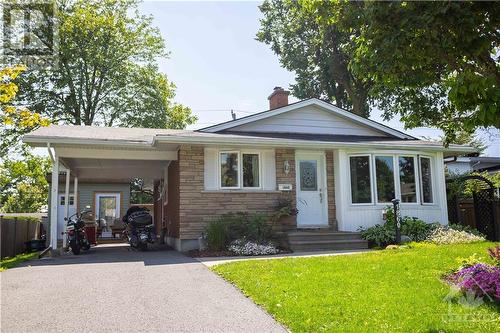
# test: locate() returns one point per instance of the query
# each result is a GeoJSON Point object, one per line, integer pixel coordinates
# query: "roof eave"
{"type": "Point", "coordinates": [38, 141]}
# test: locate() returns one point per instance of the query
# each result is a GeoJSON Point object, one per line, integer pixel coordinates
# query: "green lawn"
{"type": "Point", "coordinates": [14, 261]}
{"type": "Point", "coordinates": [380, 291]}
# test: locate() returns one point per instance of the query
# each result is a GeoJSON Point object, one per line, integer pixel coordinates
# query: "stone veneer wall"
{"type": "Point", "coordinates": [197, 206]}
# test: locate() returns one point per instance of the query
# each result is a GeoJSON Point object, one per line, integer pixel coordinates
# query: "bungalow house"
{"type": "Point", "coordinates": [340, 170]}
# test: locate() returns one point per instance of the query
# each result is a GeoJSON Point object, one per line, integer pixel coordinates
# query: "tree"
{"type": "Point", "coordinates": [23, 186]}
{"type": "Point", "coordinates": [434, 63]}
{"type": "Point", "coordinates": [316, 40]}
{"type": "Point", "coordinates": [106, 73]}
{"type": "Point", "coordinates": [12, 117]}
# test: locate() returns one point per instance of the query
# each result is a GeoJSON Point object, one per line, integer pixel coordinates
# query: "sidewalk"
{"type": "Point", "coordinates": [212, 261]}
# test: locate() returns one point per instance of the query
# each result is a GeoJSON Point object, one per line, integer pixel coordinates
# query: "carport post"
{"type": "Point", "coordinates": [66, 204]}
{"type": "Point", "coordinates": [53, 202]}
{"type": "Point", "coordinates": [75, 191]}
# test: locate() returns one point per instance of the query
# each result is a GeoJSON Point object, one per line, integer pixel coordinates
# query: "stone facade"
{"type": "Point", "coordinates": [190, 207]}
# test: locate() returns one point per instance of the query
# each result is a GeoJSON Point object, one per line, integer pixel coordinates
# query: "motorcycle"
{"type": "Point", "coordinates": [75, 231]}
{"type": "Point", "coordinates": [140, 228]}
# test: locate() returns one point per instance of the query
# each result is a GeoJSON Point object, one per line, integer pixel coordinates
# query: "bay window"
{"type": "Point", "coordinates": [239, 169]}
{"type": "Point", "coordinates": [407, 177]}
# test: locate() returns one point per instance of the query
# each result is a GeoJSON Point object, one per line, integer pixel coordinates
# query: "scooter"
{"type": "Point", "coordinates": [75, 231]}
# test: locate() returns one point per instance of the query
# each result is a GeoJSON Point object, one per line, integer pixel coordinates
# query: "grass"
{"type": "Point", "coordinates": [382, 291]}
{"type": "Point", "coordinates": [7, 263]}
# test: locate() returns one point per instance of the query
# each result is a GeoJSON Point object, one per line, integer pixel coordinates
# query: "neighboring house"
{"type": "Point", "coordinates": [464, 165]}
{"type": "Point", "coordinates": [108, 202]}
{"type": "Point", "coordinates": [340, 170]}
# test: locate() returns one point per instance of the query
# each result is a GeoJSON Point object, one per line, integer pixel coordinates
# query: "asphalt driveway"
{"type": "Point", "coordinates": [113, 289]}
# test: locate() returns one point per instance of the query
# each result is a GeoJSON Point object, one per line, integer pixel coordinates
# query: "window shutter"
{"type": "Point", "coordinates": [211, 164]}
{"type": "Point", "coordinates": [268, 170]}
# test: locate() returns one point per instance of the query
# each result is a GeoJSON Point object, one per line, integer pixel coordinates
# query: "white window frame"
{"type": "Point", "coordinates": [370, 163]}
{"type": "Point", "coordinates": [433, 192]}
{"type": "Point", "coordinates": [118, 197]}
{"type": "Point", "coordinates": [417, 180]}
{"type": "Point", "coordinates": [397, 179]}
{"type": "Point", "coordinates": [240, 154]}
{"type": "Point", "coordinates": [395, 166]}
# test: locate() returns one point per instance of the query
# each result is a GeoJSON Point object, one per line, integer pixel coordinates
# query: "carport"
{"type": "Point", "coordinates": [96, 154]}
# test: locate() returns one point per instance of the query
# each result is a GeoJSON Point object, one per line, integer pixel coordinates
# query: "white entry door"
{"type": "Point", "coordinates": [61, 212]}
{"type": "Point", "coordinates": [312, 202]}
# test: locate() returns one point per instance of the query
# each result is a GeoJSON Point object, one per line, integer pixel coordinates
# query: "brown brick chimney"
{"type": "Point", "coordinates": [278, 98]}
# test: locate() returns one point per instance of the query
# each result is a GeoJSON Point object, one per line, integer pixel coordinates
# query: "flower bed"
{"type": "Point", "coordinates": [446, 235]}
{"type": "Point", "coordinates": [248, 248]}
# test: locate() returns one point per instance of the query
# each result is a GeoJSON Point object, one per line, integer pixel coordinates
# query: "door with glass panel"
{"type": "Point", "coordinates": [312, 202]}
{"type": "Point", "coordinates": [107, 211]}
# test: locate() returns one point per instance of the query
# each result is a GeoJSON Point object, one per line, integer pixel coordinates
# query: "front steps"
{"type": "Point", "coordinates": [325, 239]}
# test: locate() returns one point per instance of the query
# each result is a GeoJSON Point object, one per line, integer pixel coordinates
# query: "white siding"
{"type": "Point", "coordinates": [351, 217]}
{"type": "Point", "coordinates": [268, 168]}
{"type": "Point", "coordinates": [309, 120]}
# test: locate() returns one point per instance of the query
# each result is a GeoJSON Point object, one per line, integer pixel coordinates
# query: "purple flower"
{"type": "Point", "coordinates": [481, 279]}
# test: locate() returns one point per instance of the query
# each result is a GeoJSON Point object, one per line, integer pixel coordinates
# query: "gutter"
{"type": "Point", "coordinates": [302, 143]}
{"type": "Point", "coordinates": [42, 141]}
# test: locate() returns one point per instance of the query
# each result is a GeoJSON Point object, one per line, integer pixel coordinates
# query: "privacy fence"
{"type": "Point", "coordinates": [15, 231]}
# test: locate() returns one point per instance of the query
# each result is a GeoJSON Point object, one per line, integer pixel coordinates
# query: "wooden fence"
{"type": "Point", "coordinates": [15, 231]}
{"type": "Point", "coordinates": [465, 214]}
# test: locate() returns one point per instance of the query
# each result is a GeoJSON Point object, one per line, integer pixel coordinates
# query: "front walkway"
{"type": "Point", "coordinates": [113, 289]}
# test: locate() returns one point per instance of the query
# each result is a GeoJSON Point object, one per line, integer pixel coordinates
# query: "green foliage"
{"type": "Point", "coordinates": [7, 263]}
{"type": "Point", "coordinates": [416, 229]}
{"type": "Point", "coordinates": [233, 226]}
{"type": "Point", "coordinates": [107, 72]}
{"type": "Point", "coordinates": [433, 64]}
{"type": "Point", "coordinates": [380, 234]}
{"type": "Point", "coordinates": [23, 187]}
{"type": "Point", "coordinates": [383, 289]}
{"type": "Point", "coordinates": [217, 235]}
{"type": "Point", "coordinates": [319, 53]}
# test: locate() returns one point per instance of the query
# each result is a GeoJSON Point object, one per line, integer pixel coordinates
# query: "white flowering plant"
{"type": "Point", "coordinates": [447, 235]}
{"type": "Point", "coordinates": [244, 247]}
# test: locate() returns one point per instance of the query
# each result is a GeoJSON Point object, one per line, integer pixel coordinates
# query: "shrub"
{"type": "Point", "coordinates": [447, 235]}
{"type": "Point", "coordinates": [465, 228]}
{"type": "Point", "coordinates": [217, 235]}
{"type": "Point", "coordinates": [416, 229]}
{"type": "Point", "coordinates": [479, 279]}
{"type": "Point", "coordinates": [245, 247]}
{"type": "Point", "coordinates": [381, 235]}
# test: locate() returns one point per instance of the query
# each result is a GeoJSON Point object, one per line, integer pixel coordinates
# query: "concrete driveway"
{"type": "Point", "coordinates": [113, 289]}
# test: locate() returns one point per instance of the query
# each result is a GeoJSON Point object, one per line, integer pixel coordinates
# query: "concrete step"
{"type": "Point", "coordinates": [330, 235]}
{"type": "Point", "coordinates": [322, 245]}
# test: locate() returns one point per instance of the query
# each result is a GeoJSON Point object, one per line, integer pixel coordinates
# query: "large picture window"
{"type": "Point", "coordinates": [234, 173]}
{"type": "Point", "coordinates": [426, 179]}
{"type": "Point", "coordinates": [384, 175]}
{"type": "Point", "coordinates": [406, 177]}
{"type": "Point", "coordinates": [360, 179]}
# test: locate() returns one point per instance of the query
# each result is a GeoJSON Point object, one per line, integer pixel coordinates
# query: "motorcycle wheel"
{"type": "Point", "coordinates": [86, 246]}
{"type": "Point", "coordinates": [75, 247]}
{"type": "Point", "coordinates": [143, 246]}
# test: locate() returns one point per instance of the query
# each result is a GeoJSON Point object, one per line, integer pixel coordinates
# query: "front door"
{"type": "Point", "coordinates": [312, 202]}
{"type": "Point", "coordinates": [61, 212]}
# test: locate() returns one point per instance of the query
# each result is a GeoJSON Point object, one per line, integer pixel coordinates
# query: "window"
{"type": "Point", "coordinates": [251, 170]}
{"type": "Point", "coordinates": [229, 170]}
{"type": "Point", "coordinates": [233, 173]}
{"type": "Point", "coordinates": [384, 175]}
{"type": "Point", "coordinates": [408, 185]}
{"type": "Point", "coordinates": [308, 175]}
{"type": "Point", "coordinates": [107, 208]}
{"type": "Point", "coordinates": [360, 179]}
{"type": "Point", "coordinates": [426, 179]}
